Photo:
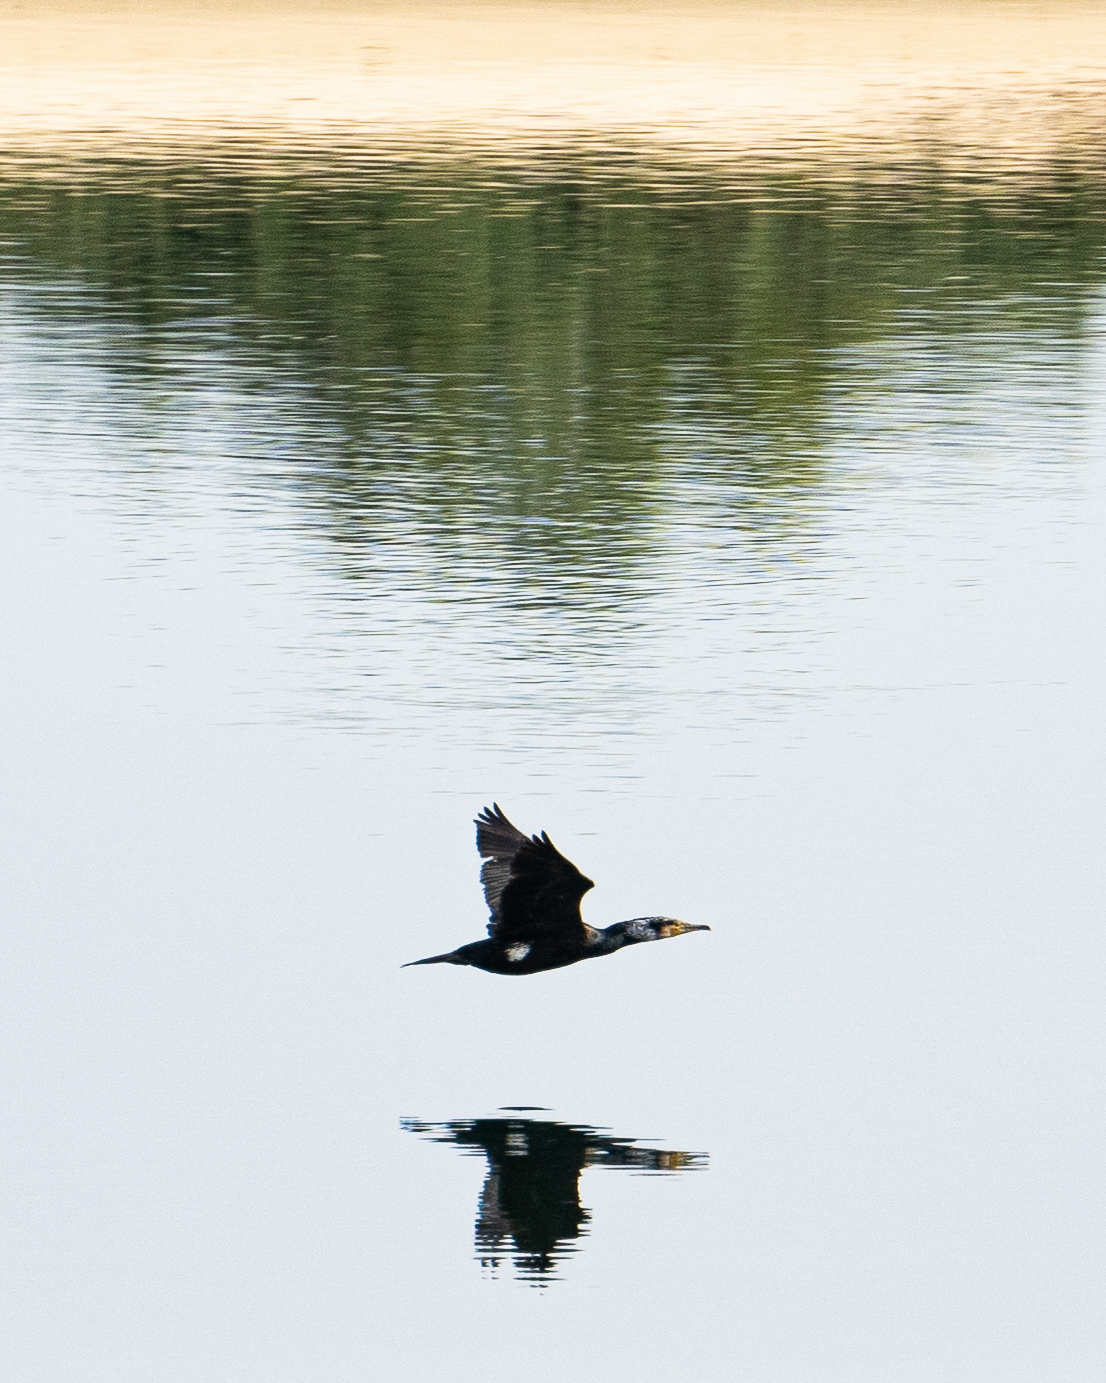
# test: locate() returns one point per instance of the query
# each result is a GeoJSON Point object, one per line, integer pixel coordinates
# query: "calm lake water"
{"type": "Point", "coordinates": [738, 519]}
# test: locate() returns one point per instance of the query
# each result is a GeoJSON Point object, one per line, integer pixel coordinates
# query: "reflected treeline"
{"type": "Point", "coordinates": [530, 1209]}
{"type": "Point", "coordinates": [517, 378]}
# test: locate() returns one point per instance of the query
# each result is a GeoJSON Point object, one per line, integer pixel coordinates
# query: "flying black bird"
{"type": "Point", "coordinates": [533, 896]}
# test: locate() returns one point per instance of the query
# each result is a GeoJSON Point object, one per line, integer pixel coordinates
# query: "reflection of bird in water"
{"type": "Point", "coordinates": [534, 895]}
{"type": "Point", "coordinates": [531, 1194]}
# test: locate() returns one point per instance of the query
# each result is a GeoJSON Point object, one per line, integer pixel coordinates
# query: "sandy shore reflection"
{"type": "Point", "coordinates": [1013, 81]}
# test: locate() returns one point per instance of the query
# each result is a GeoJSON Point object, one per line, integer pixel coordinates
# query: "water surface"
{"type": "Point", "coordinates": [739, 520]}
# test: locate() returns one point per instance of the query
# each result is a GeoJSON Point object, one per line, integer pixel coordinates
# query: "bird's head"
{"type": "Point", "coordinates": [658, 928]}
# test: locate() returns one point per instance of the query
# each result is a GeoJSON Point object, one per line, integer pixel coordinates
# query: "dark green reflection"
{"type": "Point", "coordinates": [514, 381]}
{"type": "Point", "coordinates": [530, 1207]}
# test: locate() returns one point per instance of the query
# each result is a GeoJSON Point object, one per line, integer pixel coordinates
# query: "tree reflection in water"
{"type": "Point", "coordinates": [531, 1194]}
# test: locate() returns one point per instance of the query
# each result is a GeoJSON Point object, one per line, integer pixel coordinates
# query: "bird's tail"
{"type": "Point", "coordinates": [450, 958]}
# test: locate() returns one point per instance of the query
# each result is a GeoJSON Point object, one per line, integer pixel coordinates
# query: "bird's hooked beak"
{"type": "Point", "coordinates": [678, 928]}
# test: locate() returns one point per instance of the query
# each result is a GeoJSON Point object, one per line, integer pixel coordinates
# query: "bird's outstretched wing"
{"type": "Point", "coordinates": [533, 892]}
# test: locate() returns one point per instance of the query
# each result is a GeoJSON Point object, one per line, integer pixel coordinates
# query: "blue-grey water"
{"type": "Point", "coordinates": [744, 530]}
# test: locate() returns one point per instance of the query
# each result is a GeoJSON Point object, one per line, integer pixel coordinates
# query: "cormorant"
{"type": "Point", "coordinates": [533, 896]}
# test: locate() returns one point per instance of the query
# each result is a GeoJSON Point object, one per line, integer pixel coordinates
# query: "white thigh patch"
{"type": "Point", "coordinates": [519, 951]}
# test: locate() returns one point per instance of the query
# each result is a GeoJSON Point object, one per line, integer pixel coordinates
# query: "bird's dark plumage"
{"type": "Point", "coordinates": [533, 892]}
{"type": "Point", "coordinates": [533, 895]}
